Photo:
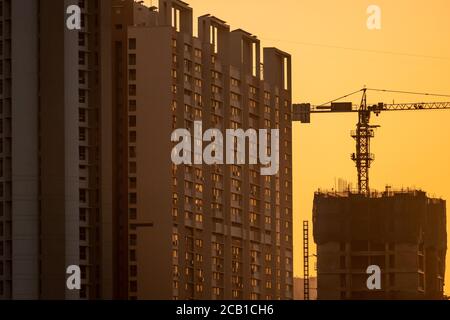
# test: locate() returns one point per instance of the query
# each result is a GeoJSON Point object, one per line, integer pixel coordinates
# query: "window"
{"type": "Point", "coordinates": [198, 99]}
{"type": "Point", "coordinates": [82, 134]}
{"type": "Point", "coordinates": [234, 96]}
{"type": "Point", "coordinates": [132, 44]}
{"type": "Point", "coordinates": [81, 94]}
{"type": "Point", "coordinates": [82, 115]}
{"type": "Point", "coordinates": [83, 236]}
{"type": "Point", "coordinates": [132, 90]}
{"type": "Point", "coordinates": [132, 255]}
{"type": "Point", "coordinates": [199, 243]}
{"type": "Point", "coordinates": [82, 152]}
{"type": "Point", "coordinates": [133, 213]}
{"type": "Point", "coordinates": [82, 39]}
{"type": "Point", "coordinates": [133, 286]}
{"type": "Point", "coordinates": [83, 214]}
{"type": "Point", "coordinates": [133, 167]}
{"type": "Point", "coordinates": [133, 240]}
{"type": "Point", "coordinates": [235, 112]}
{"type": "Point", "coordinates": [132, 121]}
{"type": "Point", "coordinates": [133, 183]}
{"type": "Point", "coordinates": [133, 136]}
{"type": "Point", "coordinates": [215, 75]}
{"type": "Point", "coordinates": [81, 58]}
{"type": "Point", "coordinates": [83, 253]}
{"type": "Point", "coordinates": [132, 105]}
{"type": "Point", "coordinates": [132, 59]}
{"type": "Point", "coordinates": [81, 75]}
{"type": "Point", "coordinates": [235, 82]}
{"type": "Point", "coordinates": [132, 74]}
{"type": "Point", "coordinates": [133, 271]}
{"type": "Point", "coordinates": [187, 65]}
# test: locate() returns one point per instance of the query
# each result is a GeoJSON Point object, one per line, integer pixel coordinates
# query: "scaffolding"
{"type": "Point", "coordinates": [305, 260]}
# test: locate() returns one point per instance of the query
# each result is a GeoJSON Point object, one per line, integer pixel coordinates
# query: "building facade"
{"type": "Point", "coordinates": [198, 231]}
{"type": "Point", "coordinates": [55, 150]}
{"type": "Point", "coordinates": [402, 232]}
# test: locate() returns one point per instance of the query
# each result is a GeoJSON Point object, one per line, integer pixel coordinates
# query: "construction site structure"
{"type": "Point", "coordinates": [402, 232]}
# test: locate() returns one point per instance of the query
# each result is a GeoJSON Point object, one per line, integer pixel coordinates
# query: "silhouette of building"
{"type": "Point", "coordinates": [55, 151]}
{"type": "Point", "coordinates": [197, 232]}
{"type": "Point", "coordinates": [404, 233]}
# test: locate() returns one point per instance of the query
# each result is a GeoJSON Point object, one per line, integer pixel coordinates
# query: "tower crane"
{"type": "Point", "coordinates": [364, 129]}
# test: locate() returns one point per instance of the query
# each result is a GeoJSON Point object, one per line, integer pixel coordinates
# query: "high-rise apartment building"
{"type": "Point", "coordinates": [197, 231]}
{"type": "Point", "coordinates": [55, 150]}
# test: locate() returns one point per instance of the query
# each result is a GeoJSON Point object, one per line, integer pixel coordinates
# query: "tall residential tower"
{"type": "Point", "coordinates": [55, 150]}
{"type": "Point", "coordinates": [198, 231]}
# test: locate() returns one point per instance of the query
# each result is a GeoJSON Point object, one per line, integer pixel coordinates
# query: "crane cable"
{"type": "Point", "coordinates": [409, 92]}
{"type": "Point", "coordinates": [340, 98]}
{"type": "Point", "coordinates": [384, 90]}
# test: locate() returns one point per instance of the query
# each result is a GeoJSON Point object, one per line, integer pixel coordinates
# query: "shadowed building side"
{"type": "Point", "coordinates": [55, 120]}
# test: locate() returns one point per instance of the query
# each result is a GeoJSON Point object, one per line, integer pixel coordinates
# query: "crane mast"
{"type": "Point", "coordinates": [363, 158]}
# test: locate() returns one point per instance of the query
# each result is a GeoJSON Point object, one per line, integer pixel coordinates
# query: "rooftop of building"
{"type": "Point", "coordinates": [389, 192]}
{"type": "Point", "coordinates": [185, 6]}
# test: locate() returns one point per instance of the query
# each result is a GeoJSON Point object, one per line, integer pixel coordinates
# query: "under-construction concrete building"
{"type": "Point", "coordinates": [404, 233]}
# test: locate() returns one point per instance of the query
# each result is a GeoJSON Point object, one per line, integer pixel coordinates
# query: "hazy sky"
{"type": "Point", "coordinates": [333, 54]}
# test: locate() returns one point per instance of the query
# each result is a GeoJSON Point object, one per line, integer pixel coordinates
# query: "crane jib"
{"type": "Point", "coordinates": [364, 130]}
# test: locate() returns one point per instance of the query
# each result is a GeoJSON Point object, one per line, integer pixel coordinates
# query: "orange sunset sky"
{"type": "Point", "coordinates": [333, 54]}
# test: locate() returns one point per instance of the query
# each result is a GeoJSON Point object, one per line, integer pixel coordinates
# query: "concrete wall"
{"type": "Point", "coordinates": [154, 98]}
{"type": "Point", "coordinates": [59, 150]}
